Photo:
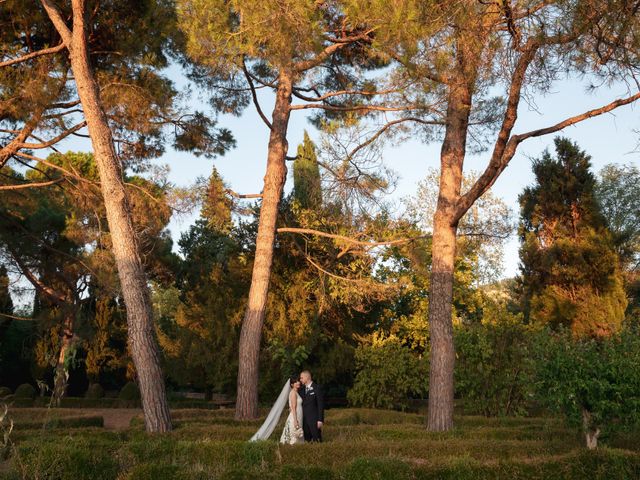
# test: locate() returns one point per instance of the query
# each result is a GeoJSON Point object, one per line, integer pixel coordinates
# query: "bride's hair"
{"type": "Point", "coordinates": [293, 379]}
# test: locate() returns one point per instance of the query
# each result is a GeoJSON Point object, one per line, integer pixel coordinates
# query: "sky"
{"type": "Point", "coordinates": [609, 138]}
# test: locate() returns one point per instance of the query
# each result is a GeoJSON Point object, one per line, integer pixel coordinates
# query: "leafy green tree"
{"type": "Point", "coordinates": [592, 382]}
{"type": "Point", "coordinates": [618, 193]}
{"type": "Point", "coordinates": [570, 269]}
{"type": "Point", "coordinates": [387, 374]}
{"type": "Point", "coordinates": [495, 370]}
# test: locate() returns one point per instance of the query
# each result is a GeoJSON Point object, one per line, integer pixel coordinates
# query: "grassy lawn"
{"type": "Point", "coordinates": [359, 444]}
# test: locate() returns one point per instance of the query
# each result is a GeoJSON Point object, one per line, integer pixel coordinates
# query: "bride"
{"type": "Point", "coordinates": [292, 433]}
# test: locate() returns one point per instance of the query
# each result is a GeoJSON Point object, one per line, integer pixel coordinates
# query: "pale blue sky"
{"type": "Point", "coordinates": [608, 139]}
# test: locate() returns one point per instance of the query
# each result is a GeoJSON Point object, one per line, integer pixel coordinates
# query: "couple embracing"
{"type": "Point", "coordinates": [306, 412]}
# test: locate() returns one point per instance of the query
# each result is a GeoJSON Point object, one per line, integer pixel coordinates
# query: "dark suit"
{"type": "Point", "coordinates": [313, 411]}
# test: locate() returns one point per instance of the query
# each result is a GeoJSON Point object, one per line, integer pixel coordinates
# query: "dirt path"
{"type": "Point", "coordinates": [114, 418]}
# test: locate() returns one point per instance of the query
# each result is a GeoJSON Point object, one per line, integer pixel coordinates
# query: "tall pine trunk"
{"type": "Point", "coordinates": [442, 356]}
{"type": "Point", "coordinates": [274, 179]}
{"type": "Point", "coordinates": [133, 282]}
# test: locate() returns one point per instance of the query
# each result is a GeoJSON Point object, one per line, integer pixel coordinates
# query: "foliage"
{"type": "Point", "coordinates": [107, 360]}
{"type": "Point", "coordinates": [306, 176]}
{"type": "Point", "coordinates": [387, 373]}
{"type": "Point", "coordinates": [618, 194]}
{"type": "Point", "coordinates": [25, 390]}
{"type": "Point", "coordinates": [378, 469]}
{"type": "Point", "coordinates": [494, 364]}
{"type": "Point", "coordinates": [359, 443]}
{"type": "Point", "coordinates": [594, 383]}
{"type": "Point", "coordinates": [144, 107]}
{"type": "Point", "coordinates": [199, 321]}
{"type": "Point", "coordinates": [570, 270]}
{"type": "Point", "coordinates": [5, 391]}
{"type": "Point", "coordinates": [217, 205]}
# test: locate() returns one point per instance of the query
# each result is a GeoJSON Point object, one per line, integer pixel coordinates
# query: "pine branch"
{"type": "Point", "coordinates": [29, 56]}
{"type": "Point", "coordinates": [30, 185]}
{"type": "Point", "coordinates": [497, 165]}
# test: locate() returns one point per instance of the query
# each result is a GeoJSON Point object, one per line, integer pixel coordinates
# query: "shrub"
{"type": "Point", "coordinates": [148, 471]}
{"type": "Point", "coordinates": [387, 374]}
{"type": "Point", "coordinates": [377, 469]}
{"type": "Point", "coordinates": [129, 395]}
{"type": "Point", "coordinates": [25, 390]}
{"type": "Point", "coordinates": [494, 365]}
{"type": "Point", "coordinates": [95, 391]}
{"type": "Point", "coordinates": [73, 459]}
{"type": "Point", "coordinates": [5, 392]}
{"type": "Point", "coordinates": [309, 472]}
{"type": "Point", "coordinates": [594, 383]}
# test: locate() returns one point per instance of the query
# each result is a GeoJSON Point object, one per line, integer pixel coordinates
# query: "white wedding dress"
{"type": "Point", "coordinates": [270, 423]}
{"type": "Point", "coordinates": [288, 433]}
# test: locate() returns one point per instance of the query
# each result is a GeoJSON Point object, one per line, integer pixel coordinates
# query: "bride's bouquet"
{"type": "Point", "coordinates": [298, 432]}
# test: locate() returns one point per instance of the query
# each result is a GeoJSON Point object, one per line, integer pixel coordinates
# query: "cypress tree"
{"type": "Point", "coordinates": [307, 189]}
{"type": "Point", "coordinates": [570, 273]}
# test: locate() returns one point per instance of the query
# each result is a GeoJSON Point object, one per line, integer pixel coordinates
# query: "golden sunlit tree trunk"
{"type": "Point", "coordinates": [274, 179]}
{"type": "Point", "coordinates": [445, 226]}
{"type": "Point", "coordinates": [133, 281]}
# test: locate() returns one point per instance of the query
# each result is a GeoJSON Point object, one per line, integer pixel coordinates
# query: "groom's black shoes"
{"type": "Point", "coordinates": [313, 412]}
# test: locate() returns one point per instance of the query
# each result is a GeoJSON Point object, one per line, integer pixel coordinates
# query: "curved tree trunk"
{"type": "Point", "coordinates": [135, 291]}
{"type": "Point", "coordinates": [442, 355]}
{"type": "Point", "coordinates": [251, 333]}
{"type": "Point", "coordinates": [61, 375]}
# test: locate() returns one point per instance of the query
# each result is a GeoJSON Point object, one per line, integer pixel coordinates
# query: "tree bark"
{"type": "Point", "coordinates": [135, 291]}
{"type": "Point", "coordinates": [442, 354]}
{"type": "Point", "coordinates": [61, 375]}
{"type": "Point", "coordinates": [251, 333]}
{"type": "Point", "coordinates": [591, 433]}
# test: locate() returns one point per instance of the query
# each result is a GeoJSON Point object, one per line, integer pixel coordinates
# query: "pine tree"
{"type": "Point", "coordinates": [570, 270]}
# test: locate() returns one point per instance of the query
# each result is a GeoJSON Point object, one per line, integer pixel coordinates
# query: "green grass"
{"type": "Point", "coordinates": [359, 444]}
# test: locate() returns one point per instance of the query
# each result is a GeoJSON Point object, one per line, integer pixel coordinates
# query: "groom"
{"type": "Point", "coordinates": [312, 408]}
